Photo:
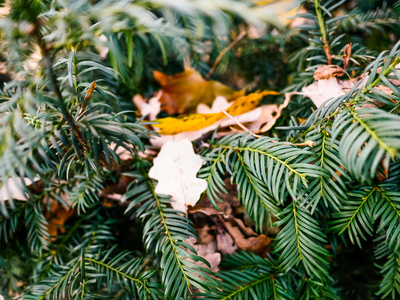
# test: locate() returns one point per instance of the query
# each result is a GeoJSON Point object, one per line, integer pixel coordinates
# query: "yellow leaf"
{"type": "Point", "coordinates": [198, 121]}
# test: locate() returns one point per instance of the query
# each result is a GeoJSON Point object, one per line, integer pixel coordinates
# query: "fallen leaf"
{"type": "Point", "coordinates": [57, 216]}
{"type": "Point", "coordinates": [229, 201]}
{"type": "Point", "coordinates": [175, 168]}
{"type": "Point", "coordinates": [204, 236]}
{"type": "Point", "coordinates": [328, 71]}
{"type": "Point", "coordinates": [225, 243]}
{"type": "Point", "coordinates": [247, 231]}
{"type": "Point", "coordinates": [270, 115]}
{"type": "Point", "coordinates": [150, 108]}
{"type": "Point", "coordinates": [346, 56]}
{"type": "Point", "coordinates": [257, 244]}
{"type": "Point", "coordinates": [116, 190]}
{"type": "Point", "coordinates": [199, 134]}
{"type": "Point", "coordinates": [196, 122]}
{"type": "Point", "coordinates": [182, 92]}
{"type": "Point", "coordinates": [324, 89]}
{"type": "Point", "coordinates": [11, 188]}
{"type": "Point", "coordinates": [208, 252]}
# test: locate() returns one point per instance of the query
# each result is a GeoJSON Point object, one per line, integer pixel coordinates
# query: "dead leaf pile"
{"type": "Point", "coordinates": [211, 104]}
{"type": "Point", "coordinates": [225, 231]}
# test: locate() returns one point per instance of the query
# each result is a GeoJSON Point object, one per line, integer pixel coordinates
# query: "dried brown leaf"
{"type": "Point", "coordinates": [225, 243]}
{"type": "Point", "coordinates": [328, 71]}
{"type": "Point", "coordinates": [346, 56]}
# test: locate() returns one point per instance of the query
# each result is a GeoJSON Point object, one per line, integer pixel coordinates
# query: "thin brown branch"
{"type": "Point", "coordinates": [87, 98]}
{"type": "Point", "coordinates": [327, 50]}
{"type": "Point", "coordinates": [223, 52]}
{"type": "Point", "coordinates": [240, 124]}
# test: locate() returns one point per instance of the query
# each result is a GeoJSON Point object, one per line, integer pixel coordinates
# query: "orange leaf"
{"type": "Point", "coordinates": [182, 92]}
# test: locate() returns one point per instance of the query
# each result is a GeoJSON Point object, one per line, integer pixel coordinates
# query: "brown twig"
{"type": "Point", "coordinates": [240, 124]}
{"type": "Point", "coordinates": [327, 50]}
{"type": "Point", "coordinates": [87, 98]}
{"type": "Point", "coordinates": [223, 52]}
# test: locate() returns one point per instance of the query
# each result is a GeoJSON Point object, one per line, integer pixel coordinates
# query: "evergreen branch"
{"type": "Point", "coordinates": [86, 191]}
{"type": "Point", "coordinates": [167, 231]}
{"type": "Point", "coordinates": [288, 166]}
{"type": "Point", "coordinates": [57, 92]}
{"type": "Point", "coordinates": [373, 134]}
{"type": "Point", "coordinates": [367, 139]}
{"type": "Point", "coordinates": [389, 213]}
{"type": "Point", "coordinates": [299, 241]}
{"type": "Point", "coordinates": [135, 279]}
{"type": "Point", "coordinates": [390, 285]}
{"type": "Point", "coordinates": [252, 194]}
{"type": "Point", "coordinates": [212, 174]}
{"type": "Point", "coordinates": [117, 271]}
{"type": "Point", "coordinates": [356, 215]}
{"type": "Point", "coordinates": [264, 153]}
{"type": "Point", "coordinates": [243, 289]}
{"type": "Point", "coordinates": [246, 260]}
{"type": "Point", "coordinates": [252, 277]}
{"type": "Point", "coordinates": [244, 284]}
{"type": "Point", "coordinates": [59, 282]}
{"type": "Point", "coordinates": [321, 22]}
{"type": "Point", "coordinates": [331, 186]}
{"type": "Point", "coordinates": [70, 280]}
{"type": "Point", "coordinates": [374, 83]}
{"type": "Point", "coordinates": [297, 235]}
{"type": "Point", "coordinates": [36, 223]}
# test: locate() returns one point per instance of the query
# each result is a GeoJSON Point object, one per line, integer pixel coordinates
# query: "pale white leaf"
{"type": "Point", "coordinates": [150, 108]}
{"type": "Point", "coordinates": [12, 188]}
{"type": "Point", "coordinates": [175, 168]}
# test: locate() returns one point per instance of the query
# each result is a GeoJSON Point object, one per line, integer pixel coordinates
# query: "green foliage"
{"type": "Point", "coordinates": [166, 232]}
{"type": "Point", "coordinates": [64, 136]}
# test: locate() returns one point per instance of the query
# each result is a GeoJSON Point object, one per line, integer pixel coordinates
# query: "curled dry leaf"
{"type": "Point", "coordinates": [229, 202]}
{"type": "Point", "coordinates": [225, 243]}
{"type": "Point", "coordinates": [256, 244]}
{"type": "Point", "coordinates": [328, 71]}
{"type": "Point", "coordinates": [229, 230]}
{"type": "Point", "coordinates": [208, 252]}
{"type": "Point", "coordinates": [269, 115]}
{"type": "Point", "coordinates": [175, 168]}
{"type": "Point", "coordinates": [346, 56]}
{"type": "Point", "coordinates": [182, 92]}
